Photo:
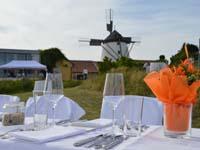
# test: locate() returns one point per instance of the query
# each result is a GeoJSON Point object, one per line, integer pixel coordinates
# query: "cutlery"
{"type": "Point", "coordinates": [114, 143]}
{"type": "Point", "coordinates": [61, 122]}
{"type": "Point", "coordinates": [104, 143]}
{"type": "Point", "coordinates": [97, 141]}
{"type": "Point", "coordinates": [88, 140]}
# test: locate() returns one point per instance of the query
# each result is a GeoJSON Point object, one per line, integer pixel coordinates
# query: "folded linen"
{"type": "Point", "coordinates": [96, 123]}
{"type": "Point", "coordinates": [49, 134]}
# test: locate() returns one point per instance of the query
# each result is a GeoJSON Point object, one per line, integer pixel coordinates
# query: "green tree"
{"type": "Point", "coordinates": [180, 56]}
{"type": "Point", "coordinates": [50, 57]}
{"type": "Point", "coordinates": [107, 64]}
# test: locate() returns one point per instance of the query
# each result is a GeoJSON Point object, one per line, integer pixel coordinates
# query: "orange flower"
{"type": "Point", "coordinates": [189, 66]}
{"type": "Point", "coordinates": [175, 85]}
{"type": "Point", "coordinates": [179, 70]}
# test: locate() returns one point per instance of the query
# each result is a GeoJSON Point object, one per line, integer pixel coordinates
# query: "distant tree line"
{"type": "Point", "coordinates": [108, 64]}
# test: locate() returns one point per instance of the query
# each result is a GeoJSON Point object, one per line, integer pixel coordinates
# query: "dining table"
{"type": "Point", "coordinates": [151, 139]}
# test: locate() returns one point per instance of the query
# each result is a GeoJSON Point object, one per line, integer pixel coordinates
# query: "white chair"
{"type": "Point", "coordinates": [65, 108]}
{"type": "Point", "coordinates": [7, 99]}
{"type": "Point", "coordinates": [152, 109]}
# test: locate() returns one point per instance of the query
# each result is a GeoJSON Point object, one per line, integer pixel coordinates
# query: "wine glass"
{"type": "Point", "coordinates": [37, 91]}
{"type": "Point", "coordinates": [140, 115]}
{"type": "Point", "coordinates": [54, 90]}
{"type": "Point", "coordinates": [114, 85]}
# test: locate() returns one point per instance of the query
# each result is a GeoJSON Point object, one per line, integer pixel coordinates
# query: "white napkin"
{"type": "Point", "coordinates": [49, 134]}
{"type": "Point", "coordinates": [97, 123]}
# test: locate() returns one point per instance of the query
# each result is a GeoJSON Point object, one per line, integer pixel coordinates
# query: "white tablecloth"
{"type": "Point", "coordinates": [153, 140]}
{"type": "Point", "coordinates": [130, 105]}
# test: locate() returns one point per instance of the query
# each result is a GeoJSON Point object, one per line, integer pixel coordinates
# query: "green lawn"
{"type": "Point", "coordinates": [87, 99]}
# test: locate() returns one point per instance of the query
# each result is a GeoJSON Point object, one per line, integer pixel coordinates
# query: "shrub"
{"type": "Point", "coordinates": [11, 86]}
{"type": "Point", "coordinates": [71, 83]}
{"type": "Point", "coordinates": [107, 64]}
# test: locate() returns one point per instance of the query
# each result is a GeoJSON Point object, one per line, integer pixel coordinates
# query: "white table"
{"type": "Point", "coordinates": [152, 141]}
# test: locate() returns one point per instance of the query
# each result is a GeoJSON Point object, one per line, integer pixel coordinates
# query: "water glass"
{"type": "Point", "coordinates": [40, 121]}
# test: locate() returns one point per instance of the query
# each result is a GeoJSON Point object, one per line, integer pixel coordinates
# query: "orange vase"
{"type": "Point", "coordinates": [177, 119]}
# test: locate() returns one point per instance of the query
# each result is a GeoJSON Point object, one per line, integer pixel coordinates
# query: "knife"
{"type": "Point", "coordinates": [97, 141]}
{"type": "Point", "coordinates": [86, 141]}
{"type": "Point", "coordinates": [116, 142]}
{"type": "Point", "coordinates": [62, 121]}
{"type": "Point", "coordinates": [106, 142]}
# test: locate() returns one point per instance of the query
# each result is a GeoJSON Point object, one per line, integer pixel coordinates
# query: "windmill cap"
{"type": "Point", "coordinates": [116, 37]}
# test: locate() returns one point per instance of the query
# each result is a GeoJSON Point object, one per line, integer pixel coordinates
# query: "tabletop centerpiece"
{"type": "Point", "coordinates": [176, 88]}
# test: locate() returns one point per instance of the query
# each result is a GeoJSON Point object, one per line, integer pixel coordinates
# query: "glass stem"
{"type": "Point", "coordinates": [113, 119]}
{"type": "Point", "coordinates": [54, 123]}
{"type": "Point", "coordinates": [35, 109]}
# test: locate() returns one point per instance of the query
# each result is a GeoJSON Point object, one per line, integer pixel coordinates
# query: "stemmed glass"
{"type": "Point", "coordinates": [37, 91]}
{"type": "Point", "coordinates": [54, 89]}
{"type": "Point", "coordinates": [140, 115]}
{"type": "Point", "coordinates": [114, 85]}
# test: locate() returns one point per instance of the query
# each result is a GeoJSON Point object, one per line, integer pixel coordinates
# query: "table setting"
{"type": "Point", "coordinates": [94, 134]}
{"type": "Point", "coordinates": [126, 122]}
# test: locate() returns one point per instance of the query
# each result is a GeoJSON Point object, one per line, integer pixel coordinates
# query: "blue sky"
{"type": "Point", "coordinates": [162, 26]}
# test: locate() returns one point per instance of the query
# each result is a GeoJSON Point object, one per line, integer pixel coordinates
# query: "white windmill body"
{"type": "Point", "coordinates": [113, 47]}
{"type": "Point", "coordinates": [114, 50]}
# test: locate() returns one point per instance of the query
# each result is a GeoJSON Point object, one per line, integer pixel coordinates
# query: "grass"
{"type": "Point", "coordinates": [89, 100]}
{"type": "Point", "coordinates": [88, 94]}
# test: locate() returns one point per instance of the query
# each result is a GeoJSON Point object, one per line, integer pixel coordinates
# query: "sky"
{"type": "Point", "coordinates": [162, 26]}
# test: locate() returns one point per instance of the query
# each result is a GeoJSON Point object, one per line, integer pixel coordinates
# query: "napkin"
{"type": "Point", "coordinates": [49, 134]}
{"type": "Point", "coordinates": [96, 123]}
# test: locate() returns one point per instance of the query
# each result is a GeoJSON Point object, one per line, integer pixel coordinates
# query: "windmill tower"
{"type": "Point", "coordinates": [114, 46]}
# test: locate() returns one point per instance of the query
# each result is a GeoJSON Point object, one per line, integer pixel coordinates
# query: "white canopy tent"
{"type": "Point", "coordinates": [23, 64]}
{"type": "Point", "coordinates": [22, 68]}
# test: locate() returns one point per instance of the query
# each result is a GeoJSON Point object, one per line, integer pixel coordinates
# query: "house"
{"type": "Point", "coordinates": [77, 69]}
{"type": "Point", "coordinates": [83, 69]}
{"type": "Point", "coordinates": [7, 55]}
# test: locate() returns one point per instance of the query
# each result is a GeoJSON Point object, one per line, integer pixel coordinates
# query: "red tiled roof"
{"type": "Point", "coordinates": [79, 65]}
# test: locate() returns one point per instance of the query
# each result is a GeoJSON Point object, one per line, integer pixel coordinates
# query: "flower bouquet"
{"type": "Point", "coordinates": [176, 88]}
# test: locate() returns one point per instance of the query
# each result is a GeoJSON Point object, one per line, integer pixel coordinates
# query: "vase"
{"type": "Point", "coordinates": [177, 119]}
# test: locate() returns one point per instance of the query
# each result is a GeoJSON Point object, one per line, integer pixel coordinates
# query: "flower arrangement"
{"type": "Point", "coordinates": [176, 88]}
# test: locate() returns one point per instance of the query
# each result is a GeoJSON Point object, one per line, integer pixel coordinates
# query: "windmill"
{"type": "Point", "coordinates": [114, 46]}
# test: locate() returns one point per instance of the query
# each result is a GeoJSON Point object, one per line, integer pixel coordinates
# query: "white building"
{"type": "Point", "coordinates": [7, 55]}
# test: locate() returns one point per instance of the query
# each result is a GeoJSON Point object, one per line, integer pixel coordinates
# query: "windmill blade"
{"type": "Point", "coordinates": [84, 42]}
{"type": "Point", "coordinates": [136, 40]}
{"type": "Point", "coordinates": [91, 42]}
{"type": "Point", "coordinates": [81, 40]}
{"type": "Point", "coordinates": [95, 42]}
